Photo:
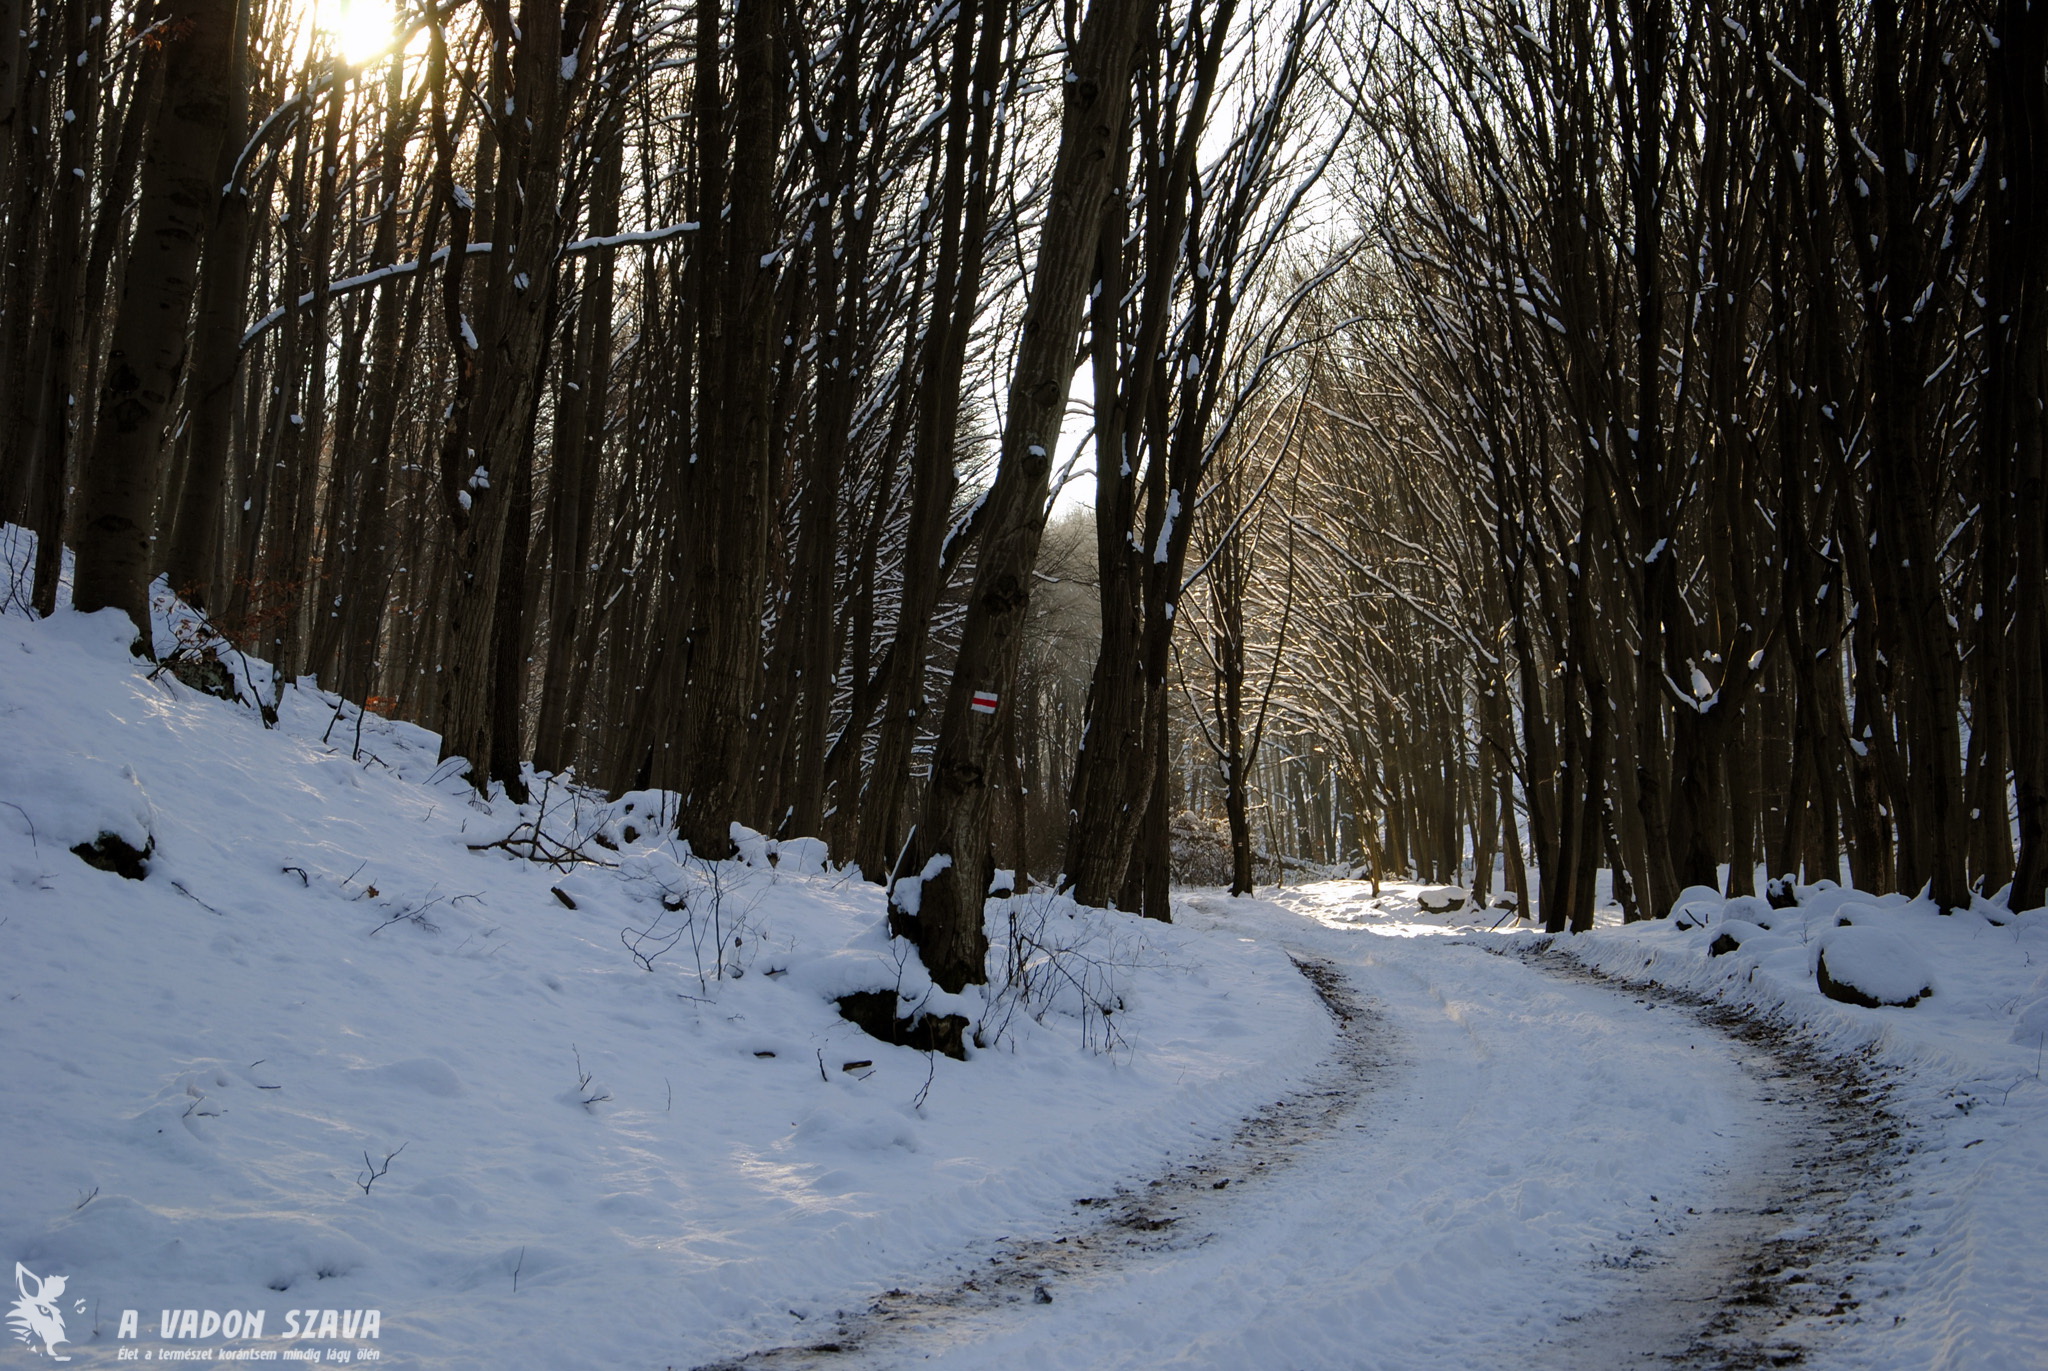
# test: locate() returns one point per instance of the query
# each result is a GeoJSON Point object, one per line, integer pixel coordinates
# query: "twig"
{"type": "Point", "coordinates": [32, 842]}
{"type": "Point", "coordinates": [583, 1082]}
{"type": "Point", "coordinates": [637, 939]}
{"type": "Point", "coordinates": [372, 1171]}
{"type": "Point", "coordinates": [417, 917]}
{"type": "Point", "coordinates": [179, 886]}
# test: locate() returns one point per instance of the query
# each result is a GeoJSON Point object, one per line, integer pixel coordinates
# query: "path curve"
{"type": "Point", "coordinates": [1504, 1161]}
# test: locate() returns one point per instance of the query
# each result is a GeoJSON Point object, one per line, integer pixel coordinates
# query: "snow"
{"type": "Point", "coordinates": [908, 892]}
{"type": "Point", "coordinates": [1957, 1273]}
{"type": "Point", "coordinates": [1871, 964]}
{"type": "Point", "coordinates": [1443, 898]}
{"type": "Point", "coordinates": [588, 1163]}
{"type": "Point", "coordinates": [1962, 1248]}
{"type": "Point", "coordinates": [1457, 1217]}
{"type": "Point", "coordinates": [542, 1088]}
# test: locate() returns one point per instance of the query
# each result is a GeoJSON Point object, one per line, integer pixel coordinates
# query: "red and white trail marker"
{"type": "Point", "coordinates": [984, 702]}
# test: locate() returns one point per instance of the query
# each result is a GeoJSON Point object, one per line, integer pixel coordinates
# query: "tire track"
{"type": "Point", "coordinates": [1183, 1207]}
{"type": "Point", "coordinates": [1759, 1275]}
{"type": "Point", "coordinates": [1763, 1278]}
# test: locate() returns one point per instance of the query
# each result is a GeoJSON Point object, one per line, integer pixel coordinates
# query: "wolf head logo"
{"type": "Point", "coordinates": [35, 1316]}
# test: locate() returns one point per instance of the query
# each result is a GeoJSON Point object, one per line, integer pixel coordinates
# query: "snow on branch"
{"type": "Point", "coordinates": [364, 280]}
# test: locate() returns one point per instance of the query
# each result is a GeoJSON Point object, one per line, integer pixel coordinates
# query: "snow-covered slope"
{"type": "Point", "coordinates": [348, 1045]}
{"type": "Point", "coordinates": [328, 1054]}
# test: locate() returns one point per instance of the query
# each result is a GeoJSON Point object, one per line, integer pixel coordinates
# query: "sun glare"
{"type": "Point", "coordinates": [360, 29]}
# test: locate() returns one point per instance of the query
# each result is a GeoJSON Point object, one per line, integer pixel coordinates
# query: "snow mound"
{"type": "Point", "coordinates": [1751, 910]}
{"type": "Point", "coordinates": [2031, 1028]}
{"type": "Point", "coordinates": [1696, 906]}
{"type": "Point", "coordinates": [1872, 968]}
{"type": "Point", "coordinates": [1731, 934]}
{"type": "Point", "coordinates": [61, 789]}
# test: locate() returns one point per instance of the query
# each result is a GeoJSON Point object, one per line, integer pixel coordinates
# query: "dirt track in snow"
{"type": "Point", "coordinates": [1758, 1279]}
{"type": "Point", "coordinates": [1753, 1279]}
{"type": "Point", "coordinates": [1110, 1231]}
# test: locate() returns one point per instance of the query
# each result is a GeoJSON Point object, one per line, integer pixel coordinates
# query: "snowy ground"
{"type": "Point", "coordinates": [339, 1052]}
{"type": "Point", "coordinates": [1536, 1171]}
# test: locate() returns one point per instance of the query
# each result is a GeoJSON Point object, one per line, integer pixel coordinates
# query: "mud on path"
{"type": "Point", "coordinates": [1755, 1277]}
{"type": "Point", "coordinates": [1760, 1279]}
{"type": "Point", "coordinates": [1187, 1205]}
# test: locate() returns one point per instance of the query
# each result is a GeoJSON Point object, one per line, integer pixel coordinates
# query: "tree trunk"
{"type": "Point", "coordinates": [965, 195]}
{"type": "Point", "coordinates": [146, 359]}
{"type": "Point", "coordinates": [954, 822]}
{"type": "Point", "coordinates": [491, 421]}
{"type": "Point", "coordinates": [721, 674]}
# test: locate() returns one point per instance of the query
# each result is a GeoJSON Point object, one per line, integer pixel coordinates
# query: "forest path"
{"type": "Point", "coordinates": [1503, 1162]}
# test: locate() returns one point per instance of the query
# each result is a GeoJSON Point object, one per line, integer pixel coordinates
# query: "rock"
{"type": "Point", "coordinates": [1696, 906]}
{"type": "Point", "coordinates": [749, 846]}
{"type": "Point", "coordinates": [874, 1013]}
{"type": "Point", "coordinates": [1750, 909]}
{"type": "Point", "coordinates": [1733, 934]}
{"type": "Point", "coordinates": [1444, 898]}
{"type": "Point", "coordinates": [802, 856]}
{"type": "Point", "coordinates": [112, 852]}
{"type": "Point", "coordinates": [204, 671]}
{"type": "Point", "coordinates": [1871, 968]}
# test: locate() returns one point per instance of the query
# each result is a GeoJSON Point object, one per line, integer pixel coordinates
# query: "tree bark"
{"type": "Point", "coordinates": [146, 359]}
{"type": "Point", "coordinates": [954, 821]}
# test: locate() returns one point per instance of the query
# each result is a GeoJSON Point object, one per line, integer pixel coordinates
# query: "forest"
{"type": "Point", "coordinates": [1006, 436]}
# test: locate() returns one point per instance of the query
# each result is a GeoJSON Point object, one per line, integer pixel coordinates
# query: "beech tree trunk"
{"type": "Point", "coordinates": [721, 671]}
{"type": "Point", "coordinates": [954, 822]}
{"type": "Point", "coordinates": [491, 422]}
{"type": "Point", "coordinates": [146, 356]}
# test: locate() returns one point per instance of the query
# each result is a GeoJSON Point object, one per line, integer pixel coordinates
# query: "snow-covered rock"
{"type": "Point", "coordinates": [1872, 968]}
{"type": "Point", "coordinates": [801, 856]}
{"type": "Point", "coordinates": [1750, 909]}
{"type": "Point", "coordinates": [1730, 935]}
{"type": "Point", "coordinates": [1696, 906]}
